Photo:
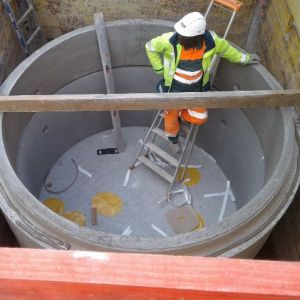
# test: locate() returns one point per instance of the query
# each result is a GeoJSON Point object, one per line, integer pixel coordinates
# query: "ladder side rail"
{"type": "Point", "coordinates": [229, 25]}
{"type": "Point", "coordinates": [189, 151]}
{"type": "Point", "coordinates": [158, 125]}
{"type": "Point", "coordinates": [16, 27]}
{"type": "Point", "coordinates": [216, 59]}
{"type": "Point", "coordinates": [180, 159]}
{"type": "Point", "coordinates": [208, 9]}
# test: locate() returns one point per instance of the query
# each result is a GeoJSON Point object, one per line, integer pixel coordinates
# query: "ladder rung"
{"type": "Point", "coordinates": [33, 35]}
{"type": "Point", "coordinates": [27, 12]}
{"type": "Point", "coordinates": [155, 168]}
{"type": "Point", "coordinates": [183, 126]}
{"type": "Point", "coordinates": [169, 158]}
{"type": "Point", "coordinates": [160, 132]}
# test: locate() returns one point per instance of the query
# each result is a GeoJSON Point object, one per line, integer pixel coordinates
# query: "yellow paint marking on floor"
{"type": "Point", "coordinates": [181, 219]}
{"type": "Point", "coordinates": [191, 173]}
{"type": "Point", "coordinates": [75, 216]}
{"type": "Point", "coordinates": [55, 204]}
{"type": "Point", "coordinates": [107, 204]}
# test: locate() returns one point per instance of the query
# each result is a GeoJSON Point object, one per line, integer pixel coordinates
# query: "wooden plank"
{"type": "Point", "coordinates": [104, 53]}
{"type": "Point", "coordinates": [109, 78]}
{"type": "Point", "coordinates": [149, 101]}
{"type": "Point", "coordinates": [50, 274]}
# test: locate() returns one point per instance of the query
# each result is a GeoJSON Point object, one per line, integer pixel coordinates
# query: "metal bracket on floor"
{"type": "Point", "coordinates": [107, 151]}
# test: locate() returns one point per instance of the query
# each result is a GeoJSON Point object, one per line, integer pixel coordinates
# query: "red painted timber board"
{"type": "Point", "coordinates": [50, 274]}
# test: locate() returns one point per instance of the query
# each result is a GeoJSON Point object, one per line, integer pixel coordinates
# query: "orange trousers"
{"type": "Point", "coordinates": [172, 125]}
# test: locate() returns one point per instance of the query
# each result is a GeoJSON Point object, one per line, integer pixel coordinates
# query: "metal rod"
{"type": "Point", "coordinates": [208, 9]}
{"type": "Point", "coordinates": [158, 124]}
{"type": "Point", "coordinates": [16, 27]}
{"type": "Point", "coordinates": [229, 25]}
{"type": "Point", "coordinates": [216, 59]}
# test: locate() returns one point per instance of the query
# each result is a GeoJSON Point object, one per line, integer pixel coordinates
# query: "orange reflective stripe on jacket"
{"type": "Point", "coordinates": [189, 69]}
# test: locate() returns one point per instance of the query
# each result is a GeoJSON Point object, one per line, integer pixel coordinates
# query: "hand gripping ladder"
{"type": "Point", "coordinates": [191, 130]}
{"type": "Point", "coordinates": [30, 15]}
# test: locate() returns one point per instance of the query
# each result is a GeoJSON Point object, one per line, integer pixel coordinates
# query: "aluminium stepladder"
{"type": "Point", "coordinates": [191, 130]}
{"type": "Point", "coordinates": [28, 16]}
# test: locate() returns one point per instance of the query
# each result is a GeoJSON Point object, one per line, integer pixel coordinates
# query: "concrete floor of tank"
{"type": "Point", "coordinates": [106, 173]}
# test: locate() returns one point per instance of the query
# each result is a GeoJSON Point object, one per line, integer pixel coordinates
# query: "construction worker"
{"type": "Point", "coordinates": [187, 55]}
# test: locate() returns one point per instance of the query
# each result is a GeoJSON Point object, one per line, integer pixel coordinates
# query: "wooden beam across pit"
{"type": "Point", "coordinates": [149, 101]}
{"type": "Point", "coordinates": [35, 274]}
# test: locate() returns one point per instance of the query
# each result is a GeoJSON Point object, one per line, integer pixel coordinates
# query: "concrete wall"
{"type": "Point", "coordinates": [10, 52]}
{"type": "Point", "coordinates": [58, 17]}
{"type": "Point", "coordinates": [279, 41]}
{"type": "Point", "coordinates": [279, 46]}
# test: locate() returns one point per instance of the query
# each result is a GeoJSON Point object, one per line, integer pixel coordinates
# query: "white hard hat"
{"type": "Point", "coordinates": [191, 24]}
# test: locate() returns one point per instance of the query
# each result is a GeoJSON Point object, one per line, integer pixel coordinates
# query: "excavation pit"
{"type": "Point", "coordinates": [255, 149]}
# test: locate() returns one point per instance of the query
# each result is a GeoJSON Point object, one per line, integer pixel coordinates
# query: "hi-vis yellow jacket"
{"type": "Point", "coordinates": [167, 46]}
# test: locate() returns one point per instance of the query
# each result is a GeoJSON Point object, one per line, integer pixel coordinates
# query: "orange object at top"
{"type": "Point", "coordinates": [233, 4]}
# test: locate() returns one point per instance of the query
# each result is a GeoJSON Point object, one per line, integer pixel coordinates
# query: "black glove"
{"type": "Point", "coordinates": [254, 59]}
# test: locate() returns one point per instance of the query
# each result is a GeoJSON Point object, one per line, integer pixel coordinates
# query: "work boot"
{"type": "Point", "coordinates": [174, 143]}
{"type": "Point", "coordinates": [175, 147]}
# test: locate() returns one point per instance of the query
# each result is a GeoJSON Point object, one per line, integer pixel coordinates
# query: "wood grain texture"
{"type": "Point", "coordinates": [148, 101]}
{"type": "Point", "coordinates": [50, 274]}
{"type": "Point", "coordinates": [109, 78]}
{"type": "Point", "coordinates": [104, 53]}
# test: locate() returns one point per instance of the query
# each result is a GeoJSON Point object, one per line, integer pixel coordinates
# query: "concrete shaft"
{"type": "Point", "coordinates": [256, 148]}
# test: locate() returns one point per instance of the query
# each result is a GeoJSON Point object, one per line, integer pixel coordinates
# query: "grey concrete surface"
{"type": "Point", "coordinates": [263, 169]}
{"type": "Point", "coordinates": [144, 190]}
